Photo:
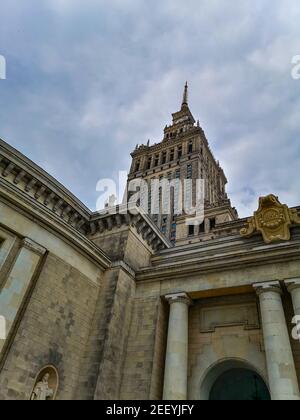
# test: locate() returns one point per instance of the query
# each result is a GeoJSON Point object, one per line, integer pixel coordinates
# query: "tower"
{"type": "Point", "coordinates": [184, 153]}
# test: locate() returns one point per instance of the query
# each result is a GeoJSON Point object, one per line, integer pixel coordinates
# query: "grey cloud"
{"type": "Point", "coordinates": [89, 80]}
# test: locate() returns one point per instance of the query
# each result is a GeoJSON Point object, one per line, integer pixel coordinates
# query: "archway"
{"type": "Point", "coordinates": [234, 380]}
{"type": "Point", "coordinates": [239, 384]}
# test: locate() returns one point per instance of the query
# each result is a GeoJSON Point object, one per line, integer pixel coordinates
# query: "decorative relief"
{"type": "Point", "coordinates": [245, 314]}
{"type": "Point", "coordinates": [46, 385]}
{"type": "Point", "coordinates": [272, 219]}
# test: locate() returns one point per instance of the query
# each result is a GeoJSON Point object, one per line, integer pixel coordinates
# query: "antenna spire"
{"type": "Point", "coordinates": [185, 95]}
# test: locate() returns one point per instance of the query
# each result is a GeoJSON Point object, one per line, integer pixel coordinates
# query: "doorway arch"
{"type": "Point", "coordinates": [234, 380]}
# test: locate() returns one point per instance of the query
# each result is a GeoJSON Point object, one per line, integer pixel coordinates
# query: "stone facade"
{"type": "Point", "coordinates": [104, 306]}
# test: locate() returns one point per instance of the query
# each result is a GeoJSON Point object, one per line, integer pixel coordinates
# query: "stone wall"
{"type": "Point", "coordinates": [115, 335]}
{"type": "Point", "coordinates": [144, 363]}
{"type": "Point", "coordinates": [124, 244]}
{"type": "Point", "coordinates": [50, 286]}
{"type": "Point", "coordinates": [222, 329]}
{"type": "Point", "coordinates": [224, 322]}
{"type": "Point", "coordinates": [54, 330]}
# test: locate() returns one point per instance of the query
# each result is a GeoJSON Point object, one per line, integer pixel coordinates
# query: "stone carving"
{"type": "Point", "coordinates": [244, 314]}
{"type": "Point", "coordinates": [46, 384]}
{"type": "Point", "coordinates": [272, 219]}
{"type": "Point", "coordinates": [42, 391]}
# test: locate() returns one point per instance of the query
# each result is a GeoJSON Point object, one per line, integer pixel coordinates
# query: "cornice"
{"type": "Point", "coordinates": [30, 189]}
{"type": "Point", "coordinates": [132, 216]}
{"type": "Point", "coordinates": [22, 163]}
{"type": "Point", "coordinates": [144, 150]}
{"type": "Point", "coordinates": [41, 215]}
{"type": "Point", "coordinates": [27, 183]}
{"type": "Point", "coordinates": [125, 267]}
{"type": "Point", "coordinates": [34, 247]}
{"type": "Point", "coordinates": [167, 143]}
{"type": "Point", "coordinates": [30, 180]}
{"type": "Point", "coordinates": [229, 254]}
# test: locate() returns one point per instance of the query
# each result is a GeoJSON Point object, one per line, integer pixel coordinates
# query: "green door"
{"type": "Point", "coordinates": [239, 384]}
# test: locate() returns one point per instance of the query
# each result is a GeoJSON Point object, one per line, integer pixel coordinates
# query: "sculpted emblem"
{"type": "Point", "coordinates": [272, 219]}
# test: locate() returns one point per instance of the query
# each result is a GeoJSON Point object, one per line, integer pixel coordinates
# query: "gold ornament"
{"type": "Point", "coordinates": [272, 219]}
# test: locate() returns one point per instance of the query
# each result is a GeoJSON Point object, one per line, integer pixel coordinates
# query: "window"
{"type": "Point", "coordinates": [191, 230]}
{"type": "Point", "coordinates": [172, 155]}
{"type": "Point", "coordinates": [173, 230]}
{"type": "Point", "coordinates": [160, 187]}
{"type": "Point", "coordinates": [173, 237]}
{"type": "Point", "coordinates": [149, 163]}
{"type": "Point", "coordinates": [191, 147]}
{"type": "Point", "coordinates": [149, 198]}
{"type": "Point", "coordinates": [179, 152]}
{"type": "Point", "coordinates": [164, 158]}
{"type": "Point", "coordinates": [212, 223]}
{"type": "Point", "coordinates": [189, 172]}
{"type": "Point", "coordinates": [137, 166]}
{"type": "Point", "coordinates": [164, 222]}
{"type": "Point", "coordinates": [156, 161]}
{"type": "Point", "coordinates": [202, 228]}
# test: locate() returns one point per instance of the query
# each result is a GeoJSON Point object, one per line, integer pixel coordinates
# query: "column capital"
{"type": "Point", "coordinates": [269, 286]}
{"type": "Point", "coordinates": [179, 297]}
{"type": "Point", "coordinates": [292, 284]}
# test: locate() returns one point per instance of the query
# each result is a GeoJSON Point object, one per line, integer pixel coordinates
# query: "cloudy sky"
{"type": "Point", "coordinates": [89, 79]}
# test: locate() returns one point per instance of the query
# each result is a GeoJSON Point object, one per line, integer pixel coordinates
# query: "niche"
{"type": "Point", "coordinates": [46, 384]}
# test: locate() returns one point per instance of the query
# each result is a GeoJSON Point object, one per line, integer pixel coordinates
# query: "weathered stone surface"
{"type": "Point", "coordinates": [84, 294]}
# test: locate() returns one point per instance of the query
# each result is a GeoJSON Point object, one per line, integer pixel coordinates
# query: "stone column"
{"type": "Point", "coordinates": [176, 365]}
{"type": "Point", "coordinates": [160, 159]}
{"type": "Point", "coordinates": [280, 362]}
{"type": "Point", "coordinates": [152, 161]}
{"type": "Point", "coordinates": [293, 286]}
{"type": "Point", "coordinates": [176, 153]}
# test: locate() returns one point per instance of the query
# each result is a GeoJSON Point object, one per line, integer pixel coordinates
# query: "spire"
{"type": "Point", "coordinates": [185, 95]}
{"type": "Point", "coordinates": [184, 115]}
